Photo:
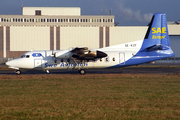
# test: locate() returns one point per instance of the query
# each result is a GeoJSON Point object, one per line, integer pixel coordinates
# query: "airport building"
{"type": "Point", "coordinates": [57, 28]}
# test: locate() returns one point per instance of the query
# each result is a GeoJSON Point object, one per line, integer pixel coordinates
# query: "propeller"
{"type": "Point", "coordinates": [53, 55]}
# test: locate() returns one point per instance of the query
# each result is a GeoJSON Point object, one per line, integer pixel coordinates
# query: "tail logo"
{"type": "Point", "coordinates": [158, 30]}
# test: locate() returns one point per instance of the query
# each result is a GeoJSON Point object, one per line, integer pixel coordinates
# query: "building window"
{"type": "Point", "coordinates": [38, 12]}
{"type": "Point", "coordinates": [37, 20]}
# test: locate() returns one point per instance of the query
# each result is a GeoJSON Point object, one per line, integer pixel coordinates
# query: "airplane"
{"type": "Point", "coordinates": [154, 46]}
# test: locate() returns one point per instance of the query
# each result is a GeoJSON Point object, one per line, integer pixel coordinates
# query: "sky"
{"type": "Point", "coordinates": [126, 12]}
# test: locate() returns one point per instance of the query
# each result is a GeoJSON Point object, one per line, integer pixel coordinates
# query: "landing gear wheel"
{"type": "Point", "coordinates": [82, 71]}
{"type": "Point", "coordinates": [18, 72]}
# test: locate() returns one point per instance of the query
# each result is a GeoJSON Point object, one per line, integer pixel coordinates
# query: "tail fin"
{"type": "Point", "coordinates": [157, 37]}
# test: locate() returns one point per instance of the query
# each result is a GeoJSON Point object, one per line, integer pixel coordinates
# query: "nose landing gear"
{"type": "Point", "coordinates": [18, 72]}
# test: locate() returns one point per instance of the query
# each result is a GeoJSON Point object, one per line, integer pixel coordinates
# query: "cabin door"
{"type": "Point", "coordinates": [37, 63]}
{"type": "Point", "coordinates": [121, 58]}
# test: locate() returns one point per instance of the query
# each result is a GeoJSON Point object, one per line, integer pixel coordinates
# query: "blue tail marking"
{"type": "Point", "coordinates": [157, 37]}
{"type": "Point", "coordinates": [155, 45]}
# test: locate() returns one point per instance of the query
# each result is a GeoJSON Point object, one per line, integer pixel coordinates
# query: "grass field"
{"type": "Point", "coordinates": [91, 96]}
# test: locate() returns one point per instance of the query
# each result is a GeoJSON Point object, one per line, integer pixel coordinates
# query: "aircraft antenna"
{"type": "Point", "coordinates": [110, 12]}
{"type": "Point", "coordinates": [101, 11]}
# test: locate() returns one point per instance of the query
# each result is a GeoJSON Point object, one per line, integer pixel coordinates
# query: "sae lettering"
{"type": "Point", "coordinates": [159, 30]}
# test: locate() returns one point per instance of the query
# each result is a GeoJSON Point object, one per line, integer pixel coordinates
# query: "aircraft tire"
{"type": "Point", "coordinates": [82, 71]}
{"type": "Point", "coordinates": [18, 72]}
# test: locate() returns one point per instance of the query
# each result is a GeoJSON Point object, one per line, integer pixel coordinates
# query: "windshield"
{"type": "Point", "coordinates": [25, 56]}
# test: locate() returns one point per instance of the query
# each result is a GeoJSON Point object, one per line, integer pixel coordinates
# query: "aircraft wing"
{"type": "Point", "coordinates": [85, 54]}
{"type": "Point", "coordinates": [82, 53]}
{"type": "Point", "coordinates": [82, 50]}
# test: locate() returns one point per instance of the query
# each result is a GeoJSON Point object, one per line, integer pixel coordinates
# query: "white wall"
{"type": "Point", "coordinates": [174, 29]}
{"type": "Point", "coordinates": [27, 38]}
{"type": "Point", "coordinates": [120, 35]}
{"type": "Point", "coordinates": [75, 11]}
{"type": "Point", "coordinates": [79, 37]}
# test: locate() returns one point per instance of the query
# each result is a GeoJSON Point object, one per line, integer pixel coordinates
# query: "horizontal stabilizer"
{"type": "Point", "coordinates": [157, 47]}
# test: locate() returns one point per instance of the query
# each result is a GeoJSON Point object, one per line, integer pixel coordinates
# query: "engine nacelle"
{"type": "Point", "coordinates": [65, 54]}
{"type": "Point", "coordinates": [91, 55]}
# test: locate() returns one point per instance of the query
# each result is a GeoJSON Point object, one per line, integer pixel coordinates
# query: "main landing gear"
{"type": "Point", "coordinates": [82, 71]}
{"type": "Point", "coordinates": [18, 72]}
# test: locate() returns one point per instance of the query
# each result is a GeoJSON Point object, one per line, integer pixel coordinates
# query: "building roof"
{"type": "Point", "coordinates": [57, 11]}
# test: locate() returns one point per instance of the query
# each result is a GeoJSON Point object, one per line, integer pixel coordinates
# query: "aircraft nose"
{"type": "Point", "coordinates": [11, 63]}
{"type": "Point", "coordinates": [8, 63]}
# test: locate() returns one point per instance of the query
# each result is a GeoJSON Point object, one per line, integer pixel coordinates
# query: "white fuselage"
{"type": "Point", "coordinates": [117, 55]}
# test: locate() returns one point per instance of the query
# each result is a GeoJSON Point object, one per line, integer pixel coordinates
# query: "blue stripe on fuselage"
{"type": "Point", "coordinates": [146, 57]}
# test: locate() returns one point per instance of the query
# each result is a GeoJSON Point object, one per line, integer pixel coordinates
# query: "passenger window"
{"type": "Point", "coordinates": [94, 60]}
{"type": "Point", "coordinates": [113, 59]}
{"type": "Point", "coordinates": [100, 59]}
{"type": "Point", "coordinates": [107, 59]}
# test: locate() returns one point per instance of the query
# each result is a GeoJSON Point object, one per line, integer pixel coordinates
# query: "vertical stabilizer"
{"type": "Point", "coordinates": [157, 37]}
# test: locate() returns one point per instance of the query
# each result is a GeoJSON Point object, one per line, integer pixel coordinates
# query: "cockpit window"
{"type": "Point", "coordinates": [25, 56]}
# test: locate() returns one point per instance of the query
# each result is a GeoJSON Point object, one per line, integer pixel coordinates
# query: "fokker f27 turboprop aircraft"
{"type": "Point", "coordinates": [155, 46]}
